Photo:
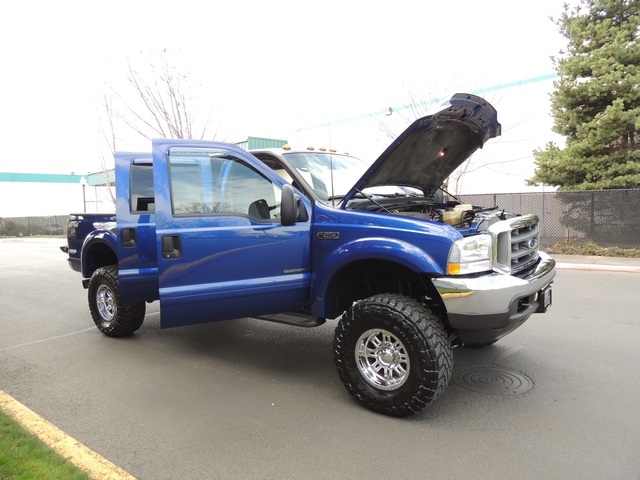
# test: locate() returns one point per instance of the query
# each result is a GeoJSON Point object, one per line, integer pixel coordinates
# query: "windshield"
{"type": "Point", "coordinates": [331, 175]}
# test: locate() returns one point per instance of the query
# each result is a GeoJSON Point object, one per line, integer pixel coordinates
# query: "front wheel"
{"type": "Point", "coordinates": [111, 316]}
{"type": "Point", "coordinates": [392, 354]}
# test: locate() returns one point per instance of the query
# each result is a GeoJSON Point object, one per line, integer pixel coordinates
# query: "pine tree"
{"type": "Point", "coordinates": [596, 102]}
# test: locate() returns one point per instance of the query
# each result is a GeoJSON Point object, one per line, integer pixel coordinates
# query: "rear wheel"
{"type": "Point", "coordinates": [111, 316]}
{"type": "Point", "coordinates": [393, 354]}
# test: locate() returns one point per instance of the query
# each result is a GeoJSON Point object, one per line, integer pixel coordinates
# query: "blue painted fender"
{"type": "Point", "coordinates": [374, 248]}
{"type": "Point", "coordinates": [95, 239]}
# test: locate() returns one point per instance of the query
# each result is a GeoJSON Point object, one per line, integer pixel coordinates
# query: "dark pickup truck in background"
{"type": "Point", "coordinates": [215, 232]}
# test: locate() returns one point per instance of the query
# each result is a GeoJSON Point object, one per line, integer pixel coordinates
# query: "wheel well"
{"type": "Point", "coordinates": [365, 278]}
{"type": "Point", "coordinates": [99, 255]}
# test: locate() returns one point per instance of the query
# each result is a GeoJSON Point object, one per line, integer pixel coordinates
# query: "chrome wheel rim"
{"type": "Point", "coordinates": [106, 303]}
{"type": "Point", "coordinates": [382, 359]}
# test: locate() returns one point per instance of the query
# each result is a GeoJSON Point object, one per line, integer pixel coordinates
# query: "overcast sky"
{"type": "Point", "coordinates": [271, 68]}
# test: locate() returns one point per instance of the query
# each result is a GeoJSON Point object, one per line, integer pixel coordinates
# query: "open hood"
{"type": "Point", "coordinates": [432, 147]}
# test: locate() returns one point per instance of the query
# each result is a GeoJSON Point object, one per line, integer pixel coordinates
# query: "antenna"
{"type": "Point", "coordinates": [333, 193]}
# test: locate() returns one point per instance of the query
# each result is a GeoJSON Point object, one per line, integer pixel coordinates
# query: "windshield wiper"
{"type": "Point", "coordinates": [390, 195]}
{"type": "Point", "coordinates": [370, 198]}
{"type": "Point", "coordinates": [340, 197]}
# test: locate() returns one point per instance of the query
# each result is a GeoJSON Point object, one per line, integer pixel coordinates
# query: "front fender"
{"type": "Point", "coordinates": [98, 249]}
{"type": "Point", "coordinates": [375, 248]}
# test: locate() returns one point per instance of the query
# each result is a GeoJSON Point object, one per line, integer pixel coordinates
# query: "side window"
{"type": "Point", "coordinates": [187, 194]}
{"type": "Point", "coordinates": [203, 184]}
{"type": "Point", "coordinates": [142, 200]}
{"type": "Point", "coordinates": [249, 193]}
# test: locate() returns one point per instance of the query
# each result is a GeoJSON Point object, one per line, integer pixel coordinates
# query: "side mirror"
{"type": "Point", "coordinates": [291, 208]}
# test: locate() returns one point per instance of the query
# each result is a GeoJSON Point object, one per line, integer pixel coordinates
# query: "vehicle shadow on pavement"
{"type": "Point", "coordinates": [301, 360]}
{"type": "Point", "coordinates": [253, 345]}
{"type": "Point", "coordinates": [266, 351]}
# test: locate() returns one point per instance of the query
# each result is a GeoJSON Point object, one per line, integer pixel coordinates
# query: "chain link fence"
{"type": "Point", "coordinates": [608, 218]}
{"type": "Point", "coordinates": [33, 226]}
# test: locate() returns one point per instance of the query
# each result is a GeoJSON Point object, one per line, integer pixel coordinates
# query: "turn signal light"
{"type": "Point", "coordinates": [453, 269]}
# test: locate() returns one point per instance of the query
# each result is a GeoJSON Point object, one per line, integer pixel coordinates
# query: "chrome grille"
{"type": "Point", "coordinates": [516, 243]}
{"type": "Point", "coordinates": [524, 246]}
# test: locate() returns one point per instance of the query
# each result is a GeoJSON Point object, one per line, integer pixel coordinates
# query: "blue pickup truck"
{"type": "Point", "coordinates": [214, 232]}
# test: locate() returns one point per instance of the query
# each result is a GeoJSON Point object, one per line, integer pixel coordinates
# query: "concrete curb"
{"type": "Point", "coordinates": [598, 267]}
{"type": "Point", "coordinates": [81, 456]}
{"type": "Point", "coordinates": [597, 263]}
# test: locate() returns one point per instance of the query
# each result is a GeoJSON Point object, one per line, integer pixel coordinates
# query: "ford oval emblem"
{"type": "Point", "coordinates": [532, 243]}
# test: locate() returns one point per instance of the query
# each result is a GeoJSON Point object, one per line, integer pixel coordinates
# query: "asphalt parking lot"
{"type": "Point", "coordinates": [252, 399]}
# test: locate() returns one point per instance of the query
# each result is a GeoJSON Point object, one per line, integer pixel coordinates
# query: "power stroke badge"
{"type": "Point", "coordinates": [328, 235]}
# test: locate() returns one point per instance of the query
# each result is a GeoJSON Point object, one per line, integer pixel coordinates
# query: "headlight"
{"type": "Point", "coordinates": [470, 255]}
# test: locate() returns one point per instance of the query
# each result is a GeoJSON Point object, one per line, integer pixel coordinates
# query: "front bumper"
{"type": "Point", "coordinates": [485, 308]}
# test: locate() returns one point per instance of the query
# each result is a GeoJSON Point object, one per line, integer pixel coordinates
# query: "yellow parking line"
{"type": "Point", "coordinates": [84, 458]}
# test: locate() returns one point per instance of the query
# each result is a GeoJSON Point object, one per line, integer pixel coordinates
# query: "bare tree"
{"type": "Point", "coordinates": [396, 119]}
{"type": "Point", "coordinates": [166, 104]}
{"type": "Point", "coordinates": [108, 133]}
{"type": "Point", "coordinates": [158, 99]}
{"type": "Point", "coordinates": [161, 101]}
{"type": "Point", "coordinates": [416, 108]}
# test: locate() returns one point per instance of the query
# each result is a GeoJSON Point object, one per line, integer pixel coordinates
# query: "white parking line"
{"type": "Point", "coordinates": [46, 339]}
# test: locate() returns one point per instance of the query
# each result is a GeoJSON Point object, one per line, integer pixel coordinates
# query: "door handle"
{"type": "Point", "coordinates": [129, 237]}
{"type": "Point", "coordinates": [171, 246]}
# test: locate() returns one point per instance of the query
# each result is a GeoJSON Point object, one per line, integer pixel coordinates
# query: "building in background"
{"type": "Point", "coordinates": [44, 194]}
{"type": "Point", "coordinates": [254, 143]}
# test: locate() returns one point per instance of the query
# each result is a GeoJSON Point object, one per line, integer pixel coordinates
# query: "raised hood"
{"type": "Point", "coordinates": [432, 147]}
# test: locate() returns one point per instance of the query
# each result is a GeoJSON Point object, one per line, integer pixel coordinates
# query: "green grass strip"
{"type": "Point", "coordinates": [24, 457]}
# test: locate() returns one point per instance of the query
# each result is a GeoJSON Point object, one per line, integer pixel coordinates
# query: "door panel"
{"type": "Point", "coordinates": [137, 262]}
{"type": "Point", "coordinates": [222, 250]}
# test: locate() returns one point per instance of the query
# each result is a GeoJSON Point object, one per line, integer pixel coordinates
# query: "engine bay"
{"type": "Point", "coordinates": [466, 218]}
